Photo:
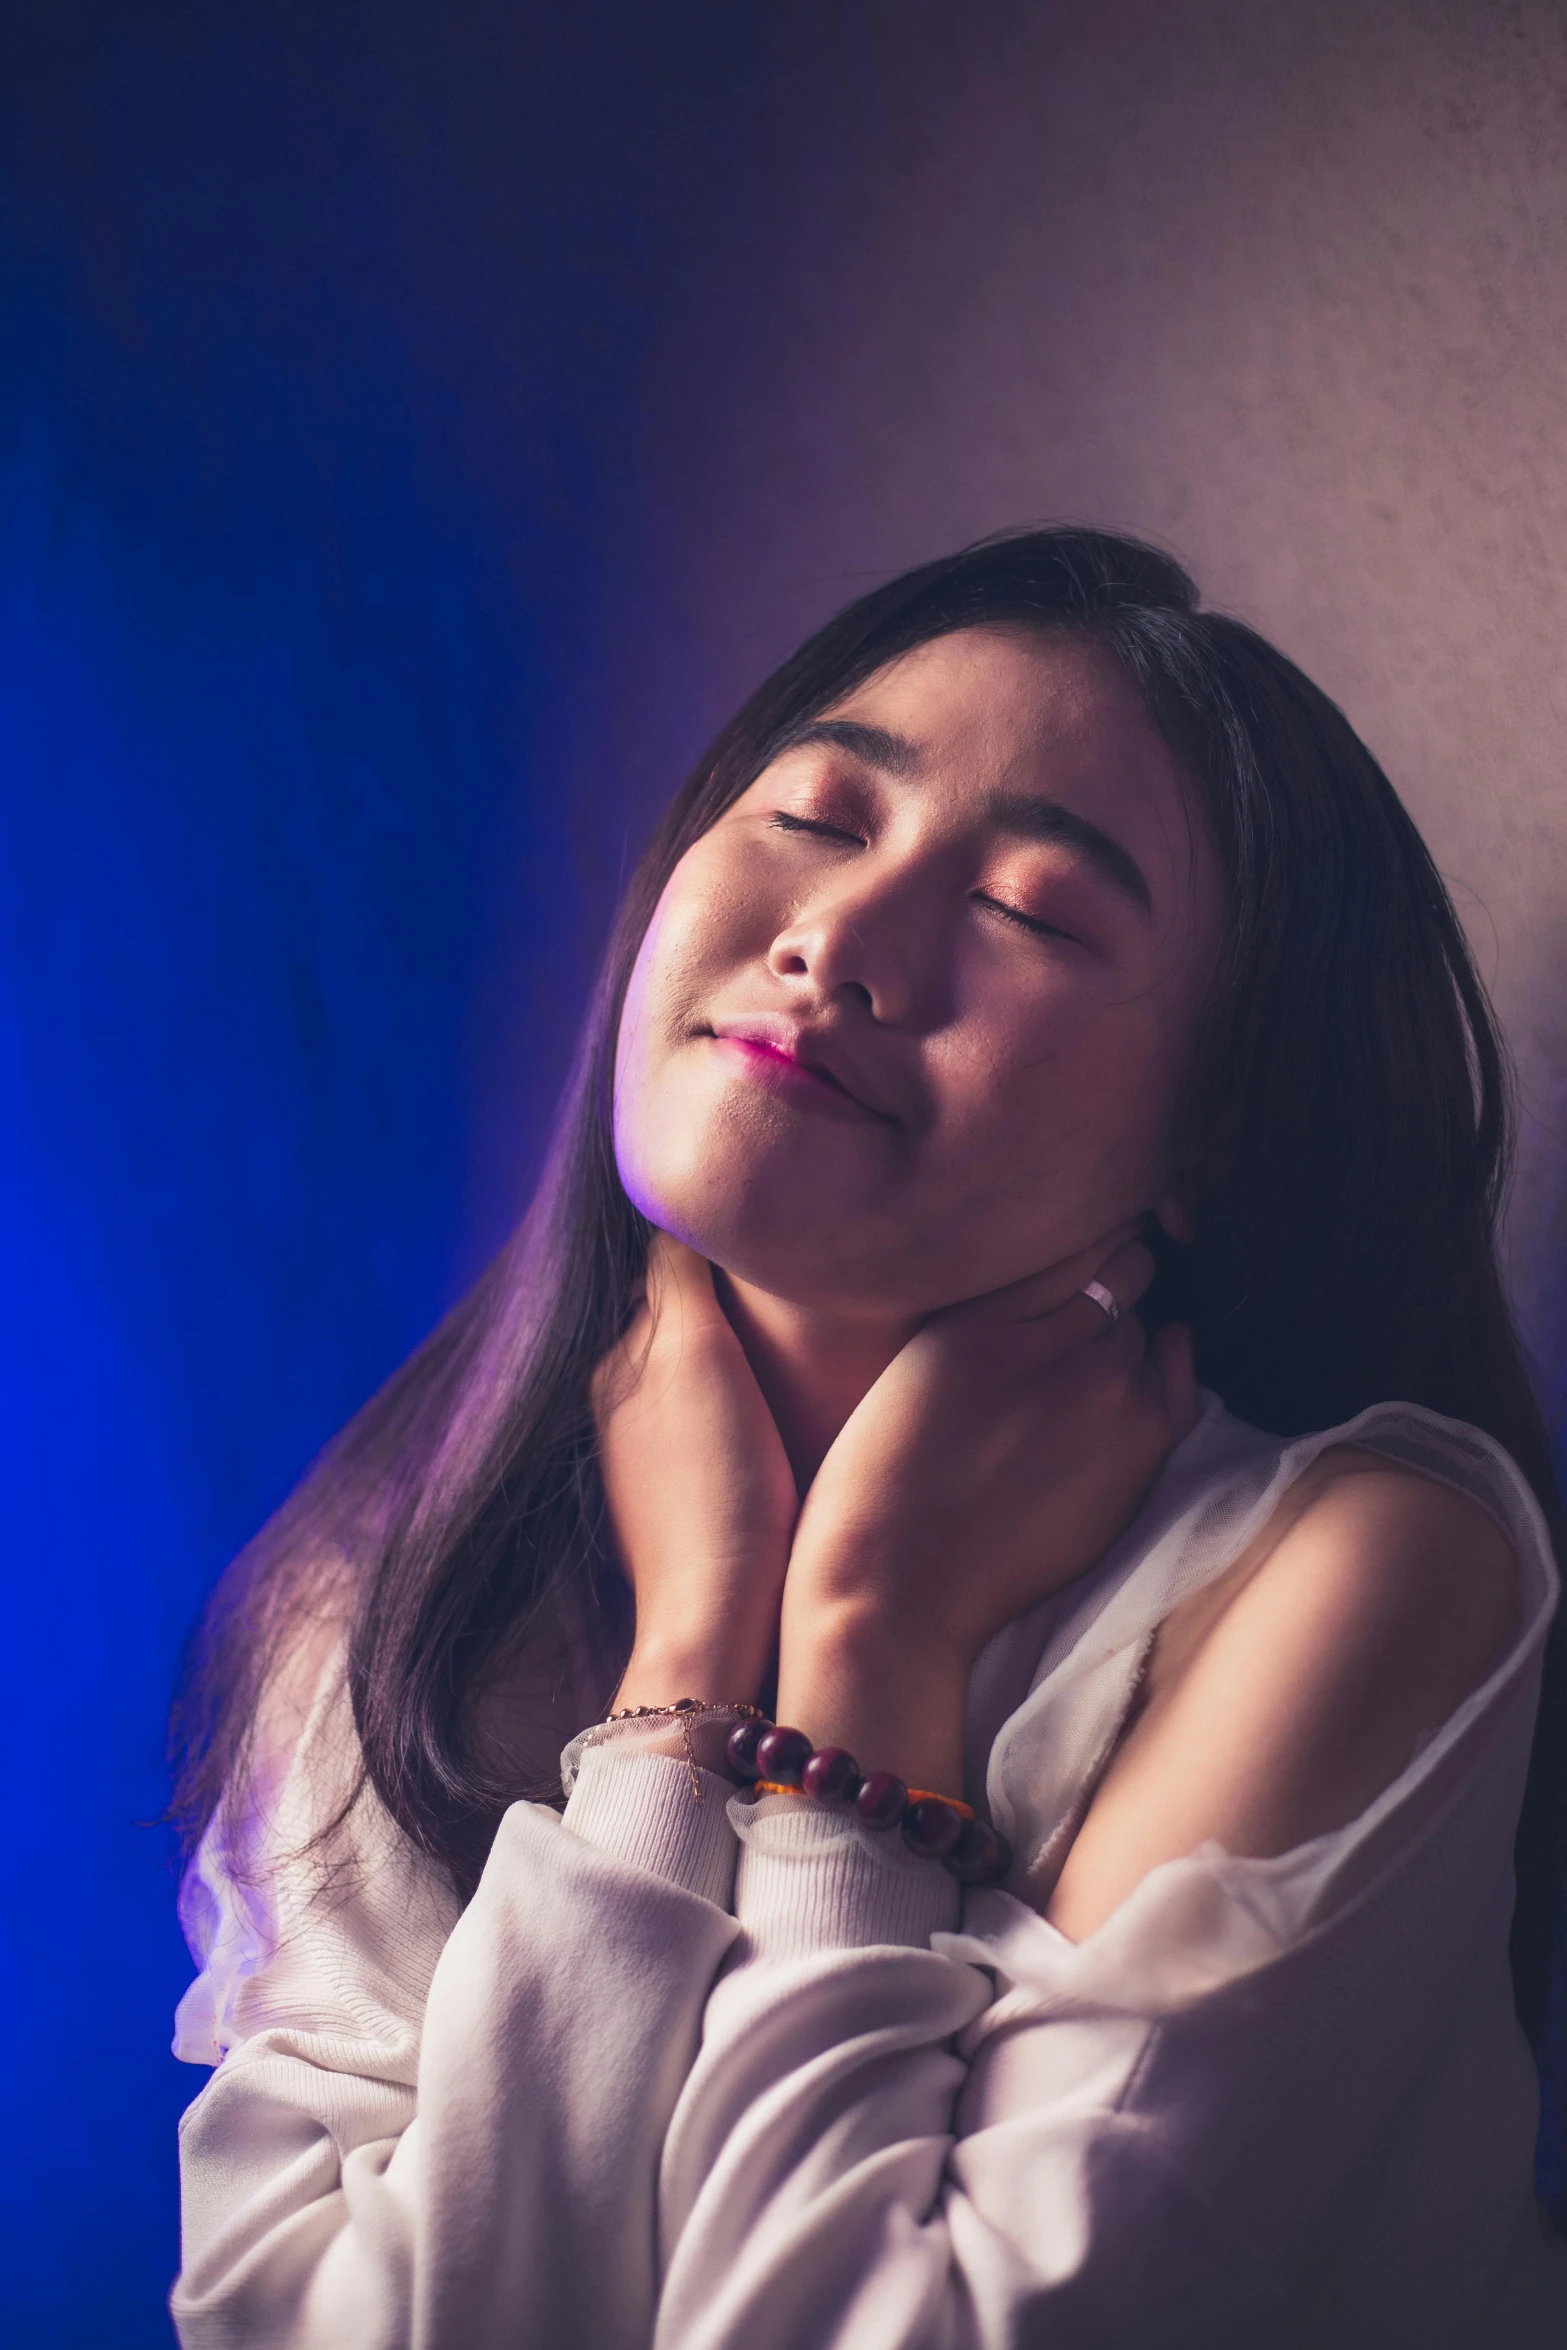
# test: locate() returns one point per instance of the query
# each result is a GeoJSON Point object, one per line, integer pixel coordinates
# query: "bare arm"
{"type": "Point", "coordinates": [1279, 1707]}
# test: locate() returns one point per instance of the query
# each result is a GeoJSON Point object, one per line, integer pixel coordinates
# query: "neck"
{"type": "Point", "coordinates": [812, 1365]}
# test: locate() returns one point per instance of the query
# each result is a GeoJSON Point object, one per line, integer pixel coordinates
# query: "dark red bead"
{"type": "Point", "coordinates": [931, 1827]}
{"type": "Point", "coordinates": [831, 1775]}
{"type": "Point", "coordinates": [744, 1739]}
{"type": "Point", "coordinates": [783, 1755]}
{"type": "Point", "coordinates": [977, 1856]}
{"type": "Point", "coordinates": [882, 1800]}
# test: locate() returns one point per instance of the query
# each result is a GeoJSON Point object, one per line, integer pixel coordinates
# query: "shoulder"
{"type": "Point", "coordinates": [1360, 1553]}
{"type": "Point", "coordinates": [1382, 1570]}
{"type": "Point", "coordinates": [1368, 1608]}
{"type": "Point", "coordinates": [1283, 1697]}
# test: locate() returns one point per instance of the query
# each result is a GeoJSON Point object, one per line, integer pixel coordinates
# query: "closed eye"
{"type": "Point", "coordinates": [781, 821]}
{"type": "Point", "coordinates": [1030, 922]}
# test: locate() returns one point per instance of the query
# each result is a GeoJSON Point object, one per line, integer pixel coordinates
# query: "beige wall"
{"type": "Point", "coordinates": [1283, 286]}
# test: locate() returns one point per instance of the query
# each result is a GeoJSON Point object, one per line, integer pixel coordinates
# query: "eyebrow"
{"type": "Point", "coordinates": [894, 754]}
{"type": "Point", "coordinates": [1047, 820]}
{"type": "Point", "coordinates": [1024, 814]}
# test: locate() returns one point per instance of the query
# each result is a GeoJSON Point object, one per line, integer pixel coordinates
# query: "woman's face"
{"type": "Point", "coordinates": [913, 1019]}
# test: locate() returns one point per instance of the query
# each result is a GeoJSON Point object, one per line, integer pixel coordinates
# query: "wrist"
{"type": "Point", "coordinates": [853, 1676]}
{"type": "Point", "coordinates": [873, 1634]}
{"type": "Point", "coordinates": [714, 1671]}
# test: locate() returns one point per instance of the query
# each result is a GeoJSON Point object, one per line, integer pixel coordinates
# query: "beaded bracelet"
{"type": "Point", "coordinates": [937, 1827]}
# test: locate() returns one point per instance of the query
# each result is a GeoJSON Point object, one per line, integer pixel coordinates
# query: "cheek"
{"type": "Point", "coordinates": [651, 1023]}
{"type": "Point", "coordinates": [648, 1125]}
{"type": "Point", "coordinates": [688, 940]}
{"type": "Point", "coordinates": [1062, 1104]}
{"type": "Point", "coordinates": [709, 922]}
{"type": "Point", "coordinates": [1119, 1099]}
{"type": "Point", "coordinates": [701, 931]}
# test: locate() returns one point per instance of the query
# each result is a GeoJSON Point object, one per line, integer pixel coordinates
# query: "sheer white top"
{"type": "Point", "coordinates": [722, 2076]}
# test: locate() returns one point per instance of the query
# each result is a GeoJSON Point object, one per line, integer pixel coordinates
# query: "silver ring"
{"type": "Point", "coordinates": [1103, 1299]}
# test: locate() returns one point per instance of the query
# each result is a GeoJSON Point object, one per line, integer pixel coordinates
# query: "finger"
{"type": "Point", "coordinates": [1042, 1292]}
{"type": "Point", "coordinates": [1130, 1228]}
{"type": "Point", "coordinates": [1126, 1276]}
{"type": "Point", "coordinates": [1172, 1364]}
{"type": "Point", "coordinates": [1126, 1273]}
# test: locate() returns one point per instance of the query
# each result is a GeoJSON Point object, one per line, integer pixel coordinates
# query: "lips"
{"type": "Point", "coordinates": [801, 1060]}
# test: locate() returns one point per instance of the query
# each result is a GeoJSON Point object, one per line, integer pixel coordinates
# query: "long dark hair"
{"type": "Point", "coordinates": [1350, 1109]}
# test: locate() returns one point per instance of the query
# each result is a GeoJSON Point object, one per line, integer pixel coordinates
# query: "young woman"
{"type": "Point", "coordinates": [1036, 1003]}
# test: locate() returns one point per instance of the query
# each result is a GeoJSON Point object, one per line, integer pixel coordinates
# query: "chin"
{"type": "Point", "coordinates": [825, 1278]}
{"type": "Point", "coordinates": [808, 1259]}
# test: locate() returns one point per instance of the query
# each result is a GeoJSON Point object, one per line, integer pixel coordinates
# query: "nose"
{"type": "Point", "coordinates": [868, 937]}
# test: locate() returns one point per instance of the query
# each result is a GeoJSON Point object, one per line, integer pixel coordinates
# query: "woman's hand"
{"type": "Point", "coordinates": [701, 1498]}
{"type": "Point", "coordinates": [999, 1455]}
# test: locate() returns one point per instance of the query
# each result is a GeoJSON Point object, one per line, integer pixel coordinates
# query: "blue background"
{"type": "Point", "coordinates": [322, 335]}
{"type": "Point", "coordinates": [418, 425]}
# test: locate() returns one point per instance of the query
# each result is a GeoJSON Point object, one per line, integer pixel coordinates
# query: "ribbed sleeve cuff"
{"type": "Point", "coordinates": [811, 1878]}
{"type": "Point", "coordinates": [643, 1809]}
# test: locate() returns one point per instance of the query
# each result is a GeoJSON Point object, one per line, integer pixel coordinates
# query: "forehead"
{"type": "Point", "coordinates": [996, 715]}
{"type": "Point", "coordinates": [995, 707]}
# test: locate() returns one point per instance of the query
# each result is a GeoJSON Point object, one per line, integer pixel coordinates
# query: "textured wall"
{"type": "Point", "coordinates": [1284, 287]}
{"type": "Point", "coordinates": [417, 427]}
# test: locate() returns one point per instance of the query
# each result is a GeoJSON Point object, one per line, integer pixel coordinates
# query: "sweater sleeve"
{"type": "Point", "coordinates": [903, 2137]}
{"type": "Point", "coordinates": [1280, 2100]}
{"type": "Point", "coordinates": [444, 2129]}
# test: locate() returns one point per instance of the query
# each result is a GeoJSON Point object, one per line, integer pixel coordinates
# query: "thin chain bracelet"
{"type": "Point", "coordinates": [937, 1827]}
{"type": "Point", "coordinates": [685, 1708]}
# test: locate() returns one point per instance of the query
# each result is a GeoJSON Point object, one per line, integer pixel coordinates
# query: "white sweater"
{"type": "Point", "coordinates": [636, 2094]}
